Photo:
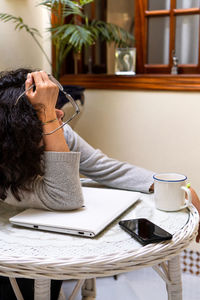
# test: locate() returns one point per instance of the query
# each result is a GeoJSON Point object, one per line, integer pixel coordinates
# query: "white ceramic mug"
{"type": "Point", "coordinates": [169, 191]}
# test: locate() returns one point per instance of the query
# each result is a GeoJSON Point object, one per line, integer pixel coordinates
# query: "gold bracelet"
{"type": "Point", "coordinates": [50, 121]}
{"type": "Point", "coordinates": [61, 126]}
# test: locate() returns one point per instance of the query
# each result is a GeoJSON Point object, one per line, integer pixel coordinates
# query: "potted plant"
{"type": "Point", "coordinates": [77, 33]}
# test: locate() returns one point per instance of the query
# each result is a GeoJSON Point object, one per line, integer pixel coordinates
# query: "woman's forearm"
{"type": "Point", "coordinates": [55, 141]}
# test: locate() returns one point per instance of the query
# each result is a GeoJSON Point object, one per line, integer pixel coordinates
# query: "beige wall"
{"type": "Point", "coordinates": [17, 49]}
{"type": "Point", "coordinates": [156, 130]}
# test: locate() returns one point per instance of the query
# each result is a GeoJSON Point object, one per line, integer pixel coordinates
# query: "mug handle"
{"type": "Point", "coordinates": [189, 199]}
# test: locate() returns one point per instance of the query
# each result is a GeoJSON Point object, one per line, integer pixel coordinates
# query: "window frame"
{"type": "Point", "coordinates": [141, 37]}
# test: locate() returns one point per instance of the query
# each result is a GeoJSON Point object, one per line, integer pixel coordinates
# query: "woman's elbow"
{"type": "Point", "coordinates": [64, 201]}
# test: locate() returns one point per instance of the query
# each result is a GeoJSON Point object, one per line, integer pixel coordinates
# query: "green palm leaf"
{"type": "Point", "coordinates": [68, 7]}
{"type": "Point", "coordinates": [112, 33]}
{"type": "Point", "coordinates": [81, 36]}
{"type": "Point", "coordinates": [74, 35]}
{"type": "Point", "coordinates": [84, 2]}
{"type": "Point", "coordinates": [19, 23]}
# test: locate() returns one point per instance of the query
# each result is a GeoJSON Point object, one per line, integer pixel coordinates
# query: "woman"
{"type": "Point", "coordinates": [30, 160]}
{"type": "Point", "coordinates": [39, 165]}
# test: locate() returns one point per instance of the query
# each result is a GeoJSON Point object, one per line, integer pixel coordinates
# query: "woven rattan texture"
{"type": "Point", "coordinates": [190, 262]}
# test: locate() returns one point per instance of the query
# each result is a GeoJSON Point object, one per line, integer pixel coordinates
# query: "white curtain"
{"type": "Point", "coordinates": [187, 31]}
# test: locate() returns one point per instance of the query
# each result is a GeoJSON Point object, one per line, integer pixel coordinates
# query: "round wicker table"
{"type": "Point", "coordinates": [43, 255]}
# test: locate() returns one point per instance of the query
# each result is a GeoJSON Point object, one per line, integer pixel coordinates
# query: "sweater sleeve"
{"type": "Point", "coordinates": [107, 171]}
{"type": "Point", "coordinates": [58, 189]}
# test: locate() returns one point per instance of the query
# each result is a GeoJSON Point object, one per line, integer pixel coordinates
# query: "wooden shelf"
{"type": "Point", "coordinates": [138, 82]}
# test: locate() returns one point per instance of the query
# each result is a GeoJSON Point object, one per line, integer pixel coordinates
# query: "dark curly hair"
{"type": "Point", "coordinates": [21, 151]}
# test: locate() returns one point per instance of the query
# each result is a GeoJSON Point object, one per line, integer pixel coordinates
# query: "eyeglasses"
{"type": "Point", "coordinates": [68, 97]}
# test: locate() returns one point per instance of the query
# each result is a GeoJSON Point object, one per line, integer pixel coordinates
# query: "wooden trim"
{"type": "Point", "coordinates": [172, 33]}
{"type": "Point", "coordinates": [93, 14]}
{"type": "Point", "coordinates": [163, 82]}
{"type": "Point", "coordinates": [166, 69]}
{"type": "Point", "coordinates": [199, 49]}
{"type": "Point", "coordinates": [156, 13]}
{"type": "Point", "coordinates": [139, 33]}
{"type": "Point", "coordinates": [146, 35]}
{"type": "Point", "coordinates": [159, 69]}
{"type": "Point", "coordinates": [186, 11]}
{"type": "Point", "coordinates": [166, 12]}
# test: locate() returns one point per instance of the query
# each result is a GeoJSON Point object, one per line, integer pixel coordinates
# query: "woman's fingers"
{"type": "Point", "coordinates": [45, 92]}
{"type": "Point", "coordinates": [44, 76]}
{"type": "Point", "coordinates": [28, 84]}
{"type": "Point", "coordinates": [37, 77]}
{"type": "Point", "coordinates": [33, 78]}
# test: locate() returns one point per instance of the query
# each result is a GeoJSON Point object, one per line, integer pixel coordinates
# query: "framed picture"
{"type": "Point", "coordinates": [125, 59]}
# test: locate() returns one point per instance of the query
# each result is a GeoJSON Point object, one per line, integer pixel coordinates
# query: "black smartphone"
{"type": "Point", "coordinates": [144, 231]}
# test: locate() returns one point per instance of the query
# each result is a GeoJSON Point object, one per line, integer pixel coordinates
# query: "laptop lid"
{"type": "Point", "coordinates": [101, 207]}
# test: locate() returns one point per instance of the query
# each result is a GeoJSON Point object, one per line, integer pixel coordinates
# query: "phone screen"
{"type": "Point", "coordinates": [145, 231]}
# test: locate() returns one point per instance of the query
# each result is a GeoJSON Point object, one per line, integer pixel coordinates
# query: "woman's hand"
{"type": "Point", "coordinates": [44, 96]}
{"type": "Point", "coordinates": [44, 99]}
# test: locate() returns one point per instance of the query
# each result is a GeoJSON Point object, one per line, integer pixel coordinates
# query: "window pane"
{"type": "Point", "coordinates": [158, 4]}
{"type": "Point", "coordinates": [120, 13]}
{"type": "Point", "coordinates": [187, 3]}
{"type": "Point", "coordinates": [158, 40]}
{"type": "Point", "coordinates": [187, 39]}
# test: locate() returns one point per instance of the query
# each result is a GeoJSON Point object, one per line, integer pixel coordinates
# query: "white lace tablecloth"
{"type": "Point", "coordinates": [23, 250]}
{"type": "Point", "coordinates": [15, 240]}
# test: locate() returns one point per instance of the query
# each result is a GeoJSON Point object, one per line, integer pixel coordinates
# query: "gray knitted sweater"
{"type": "Point", "coordinates": [60, 187]}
